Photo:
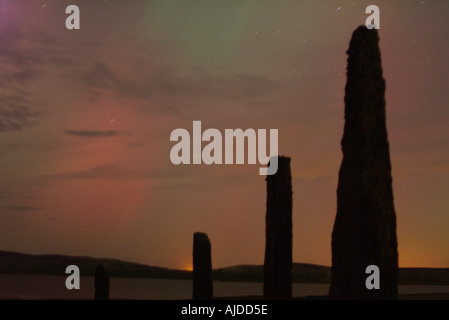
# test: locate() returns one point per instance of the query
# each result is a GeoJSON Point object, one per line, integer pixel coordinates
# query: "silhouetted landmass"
{"type": "Point", "coordinates": [279, 235]}
{"type": "Point", "coordinates": [202, 267]}
{"type": "Point", "coordinates": [365, 226]}
{"type": "Point", "coordinates": [101, 283]}
{"type": "Point", "coordinates": [424, 276]}
{"type": "Point", "coordinates": [12, 262]}
{"type": "Point", "coordinates": [18, 263]}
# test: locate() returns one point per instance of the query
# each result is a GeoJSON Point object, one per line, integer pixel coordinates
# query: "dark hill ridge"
{"type": "Point", "coordinates": [19, 263]}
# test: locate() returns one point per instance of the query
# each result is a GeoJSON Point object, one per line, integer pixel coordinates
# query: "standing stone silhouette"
{"type": "Point", "coordinates": [101, 283]}
{"type": "Point", "coordinates": [278, 248]}
{"type": "Point", "coordinates": [365, 226]}
{"type": "Point", "coordinates": [202, 267]}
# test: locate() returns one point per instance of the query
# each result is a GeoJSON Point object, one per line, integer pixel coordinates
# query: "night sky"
{"type": "Point", "coordinates": [86, 117]}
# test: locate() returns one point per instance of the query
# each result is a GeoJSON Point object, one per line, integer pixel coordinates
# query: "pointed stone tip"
{"type": "Point", "coordinates": [363, 37]}
{"type": "Point", "coordinates": [363, 30]}
{"type": "Point", "coordinates": [364, 56]}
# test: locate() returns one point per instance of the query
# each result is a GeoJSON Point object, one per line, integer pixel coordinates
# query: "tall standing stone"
{"type": "Point", "coordinates": [101, 283]}
{"type": "Point", "coordinates": [365, 226]}
{"type": "Point", "coordinates": [279, 234]}
{"type": "Point", "coordinates": [202, 267]}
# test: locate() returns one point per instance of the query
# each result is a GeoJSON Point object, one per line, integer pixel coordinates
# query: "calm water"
{"type": "Point", "coordinates": [53, 287]}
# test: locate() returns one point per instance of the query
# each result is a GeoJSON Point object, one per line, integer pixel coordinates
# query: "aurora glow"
{"type": "Point", "coordinates": [85, 120]}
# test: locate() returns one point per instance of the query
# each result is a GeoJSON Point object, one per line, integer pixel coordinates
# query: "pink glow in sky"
{"type": "Point", "coordinates": [86, 116]}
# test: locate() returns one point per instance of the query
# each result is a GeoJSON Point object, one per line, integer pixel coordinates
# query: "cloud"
{"type": "Point", "coordinates": [35, 55]}
{"type": "Point", "coordinates": [92, 133]}
{"type": "Point", "coordinates": [120, 172]}
{"type": "Point", "coordinates": [21, 208]}
{"type": "Point", "coordinates": [167, 176]}
{"type": "Point", "coordinates": [16, 112]}
{"type": "Point", "coordinates": [164, 85]}
{"type": "Point", "coordinates": [103, 172]}
{"type": "Point", "coordinates": [26, 56]}
{"type": "Point", "coordinates": [25, 52]}
{"type": "Point", "coordinates": [23, 56]}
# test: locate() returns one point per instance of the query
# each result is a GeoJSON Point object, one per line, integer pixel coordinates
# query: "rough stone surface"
{"type": "Point", "coordinates": [365, 226]}
{"type": "Point", "coordinates": [101, 283]}
{"type": "Point", "coordinates": [278, 247]}
{"type": "Point", "coordinates": [202, 267]}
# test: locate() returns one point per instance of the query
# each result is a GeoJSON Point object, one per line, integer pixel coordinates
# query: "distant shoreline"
{"type": "Point", "coordinates": [52, 287]}
{"type": "Point", "coordinates": [27, 264]}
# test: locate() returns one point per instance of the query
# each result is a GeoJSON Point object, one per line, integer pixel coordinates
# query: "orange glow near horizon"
{"type": "Point", "coordinates": [86, 117]}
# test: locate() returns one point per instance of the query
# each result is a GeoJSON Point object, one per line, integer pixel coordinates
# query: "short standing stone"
{"type": "Point", "coordinates": [278, 247]}
{"type": "Point", "coordinates": [202, 267]}
{"type": "Point", "coordinates": [101, 283]}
